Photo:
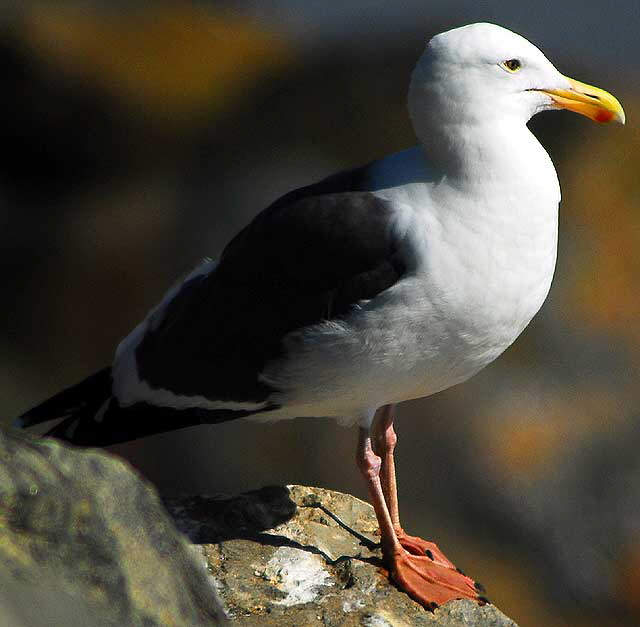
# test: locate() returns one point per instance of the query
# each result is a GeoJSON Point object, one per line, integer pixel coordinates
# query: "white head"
{"type": "Point", "coordinates": [483, 72]}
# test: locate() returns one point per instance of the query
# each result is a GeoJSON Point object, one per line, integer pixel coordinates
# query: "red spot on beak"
{"type": "Point", "coordinates": [604, 116]}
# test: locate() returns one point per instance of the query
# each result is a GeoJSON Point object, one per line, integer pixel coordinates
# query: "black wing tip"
{"type": "Point", "coordinates": [95, 389]}
{"type": "Point", "coordinates": [124, 424]}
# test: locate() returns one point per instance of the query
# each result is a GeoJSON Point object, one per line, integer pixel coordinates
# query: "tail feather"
{"type": "Point", "coordinates": [112, 424]}
{"type": "Point", "coordinates": [88, 415]}
{"type": "Point", "coordinates": [84, 397]}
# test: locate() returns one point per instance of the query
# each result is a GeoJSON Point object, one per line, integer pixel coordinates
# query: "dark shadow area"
{"type": "Point", "coordinates": [215, 519]}
{"type": "Point", "coordinates": [207, 520]}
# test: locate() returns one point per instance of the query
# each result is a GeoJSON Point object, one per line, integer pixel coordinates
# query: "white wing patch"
{"type": "Point", "coordinates": [129, 389]}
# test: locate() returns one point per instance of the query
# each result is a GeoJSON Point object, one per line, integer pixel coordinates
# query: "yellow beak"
{"type": "Point", "coordinates": [596, 104]}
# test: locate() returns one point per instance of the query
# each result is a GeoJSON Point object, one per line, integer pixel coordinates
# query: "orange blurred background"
{"type": "Point", "coordinates": [136, 141]}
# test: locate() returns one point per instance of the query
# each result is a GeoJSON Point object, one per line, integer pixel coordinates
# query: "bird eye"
{"type": "Point", "coordinates": [512, 65]}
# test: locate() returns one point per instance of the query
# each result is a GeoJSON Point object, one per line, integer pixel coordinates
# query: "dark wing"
{"type": "Point", "coordinates": [308, 257]}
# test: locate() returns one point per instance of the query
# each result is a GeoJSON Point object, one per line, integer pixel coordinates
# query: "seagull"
{"type": "Point", "coordinates": [385, 283]}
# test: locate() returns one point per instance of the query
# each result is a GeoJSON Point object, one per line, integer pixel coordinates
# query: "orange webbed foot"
{"type": "Point", "coordinates": [417, 546]}
{"type": "Point", "coordinates": [430, 578]}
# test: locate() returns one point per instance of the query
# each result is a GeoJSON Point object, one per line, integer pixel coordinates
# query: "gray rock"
{"type": "Point", "coordinates": [84, 541]}
{"type": "Point", "coordinates": [302, 556]}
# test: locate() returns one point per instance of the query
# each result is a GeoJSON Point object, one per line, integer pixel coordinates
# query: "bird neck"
{"type": "Point", "coordinates": [495, 152]}
{"type": "Point", "coordinates": [505, 173]}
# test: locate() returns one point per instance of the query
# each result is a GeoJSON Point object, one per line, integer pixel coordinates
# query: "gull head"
{"type": "Point", "coordinates": [483, 72]}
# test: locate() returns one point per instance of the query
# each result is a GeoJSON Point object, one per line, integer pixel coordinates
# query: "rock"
{"type": "Point", "coordinates": [304, 556]}
{"type": "Point", "coordinates": [27, 603]}
{"type": "Point", "coordinates": [85, 541]}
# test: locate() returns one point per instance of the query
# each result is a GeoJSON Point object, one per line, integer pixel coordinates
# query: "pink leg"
{"type": "Point", "coordinates": [384, 445]}
{"type": "Point", "coordinates": [425, 574]}
{"type": "Point", "coordinates": [369, 464]}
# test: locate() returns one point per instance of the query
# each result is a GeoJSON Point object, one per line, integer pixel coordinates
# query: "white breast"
{"type": "Point", "coordinates": [487, 250]}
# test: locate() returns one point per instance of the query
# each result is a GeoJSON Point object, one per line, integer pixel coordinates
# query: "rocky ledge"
{"type": "Point", "coordinates": [306, 556]}
{"type": "Point", "coordinates": [85, 541]}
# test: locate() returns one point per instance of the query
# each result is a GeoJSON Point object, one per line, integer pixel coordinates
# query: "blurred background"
{"type": "Point", "coordinates": [137, 138]}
